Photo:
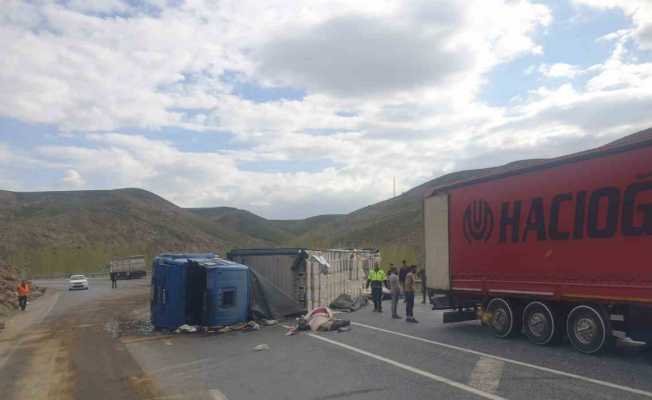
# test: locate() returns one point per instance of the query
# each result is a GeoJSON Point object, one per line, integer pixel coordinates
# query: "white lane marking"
{"type": "Point", "coordinates": [515, 362]}
{"type": "Point", "coordinates": [217, 395]}
{"type": "Point", "coordinates": [486, 374]}
{"type": "Point", "coordinates": [414, 370]}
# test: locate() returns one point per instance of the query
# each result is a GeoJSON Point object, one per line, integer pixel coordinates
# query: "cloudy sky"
{"type": "Point", "coordinates": [296, 108]}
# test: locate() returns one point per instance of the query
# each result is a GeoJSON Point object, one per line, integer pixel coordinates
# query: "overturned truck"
{"type": "Point", "coordinates": [310, 277]}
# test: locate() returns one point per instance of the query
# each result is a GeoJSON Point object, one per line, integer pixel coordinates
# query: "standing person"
{"type": "Point", "coordinates": [376, 279]}
{"type": "Point", "coordinates": [23, 291]}
{"type": "Point", "coordinates": [395, 290]}
{"type": "Point", "coordinates": [114, 280]}
{"type": "Point", "coordinates": [424, 286]}
{"type": "Point", "coordinates": [410, 286]}
{"type": "Point", "coordinates": [401, 275]}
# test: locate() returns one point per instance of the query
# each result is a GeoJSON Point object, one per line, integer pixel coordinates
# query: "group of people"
{"type": "Point", "coordinates": [399, 281]}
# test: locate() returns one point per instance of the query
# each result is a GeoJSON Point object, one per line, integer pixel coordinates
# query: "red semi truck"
{"type": "Point", "coordinates": [560, 248]}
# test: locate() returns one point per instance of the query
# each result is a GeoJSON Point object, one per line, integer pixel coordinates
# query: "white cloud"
{"type": "Point", "coordinates": [640, 11]}
{"type": "Point", "coordinates": [559, 70]}
{"type": "Point", "coordinates": [423, 45]}
{"type": "Point", "coordinates": [203, 179]}
{"type": "Point", "coordinates": [69, 65]}
{"type": "Point", "coordinates": [73, 179]}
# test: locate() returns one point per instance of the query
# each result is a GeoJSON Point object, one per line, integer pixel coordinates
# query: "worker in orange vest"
{"type": "Point", "coordinates": [23, 292]}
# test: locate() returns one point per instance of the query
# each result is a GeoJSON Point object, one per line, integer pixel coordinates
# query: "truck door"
{"type": "Point", "coordinates": [435, 221]}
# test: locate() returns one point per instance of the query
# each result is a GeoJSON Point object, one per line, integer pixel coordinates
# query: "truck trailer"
{"type": "Point", "coordinates": [561, 248]}
{"type": "Point", "coordinates": [131, 267]}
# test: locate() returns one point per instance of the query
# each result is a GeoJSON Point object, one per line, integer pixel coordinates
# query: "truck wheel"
{"type": "Point", "coordinates": [539, 323]}
{"type": "Point", "coordinates": [586, 329]}
{"type": "Point", "coordinates": [501, 317]}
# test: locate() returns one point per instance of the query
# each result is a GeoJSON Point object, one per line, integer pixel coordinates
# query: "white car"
{"type": "Point", "coordinates": [77, 282]}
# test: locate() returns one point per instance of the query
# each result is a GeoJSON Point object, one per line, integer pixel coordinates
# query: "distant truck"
{"type": "Point", "coordinates": [560, 248]}
{"type": "Point", "coordinates": [132, 267]}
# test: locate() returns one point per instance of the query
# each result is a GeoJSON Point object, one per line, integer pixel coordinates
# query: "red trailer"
{"type": "Point", "coordinates": [563, 247]}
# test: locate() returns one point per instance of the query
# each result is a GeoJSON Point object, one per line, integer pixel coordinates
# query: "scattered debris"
{"type": "Point", "coordinates": [186, 329]}
{"type": "Point", "coordinates": [251, 326]}
{"type": "Point", "coordinates": [238, 326]}
{"type": "Point", "coordinates": [320, 319]}
{"type": "Point", "coordinates": [261, 347]}
{"type": "Point", "coordinates": [302, 324]}
{"type": "Point", "coordinates": [112, 326]}
{"type": "Point", "coordinates": [269, 322]}
{"type": "Point", "coordinates": [137, 327]}
{"type": "Point", "coordinates": [242, 327]}
{"type": "Point", "coordinates": [348, 303]}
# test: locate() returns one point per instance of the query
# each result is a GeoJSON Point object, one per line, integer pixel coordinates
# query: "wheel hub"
{"type": "Point", "coordinates": [537, 324]}
{"type": "Point", "coordinates": [585, 330]}
{"type": "Point", "coordinates": [500, 320]}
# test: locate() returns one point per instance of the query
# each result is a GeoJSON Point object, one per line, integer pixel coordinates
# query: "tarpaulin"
{"type": "Point", "coordinates": [268, 301]}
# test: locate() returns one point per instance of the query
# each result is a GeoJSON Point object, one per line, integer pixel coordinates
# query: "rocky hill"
{"type": "Point", "coordinates": [269, 232]}
{"type": "Point", "coordinates": [54, 232]}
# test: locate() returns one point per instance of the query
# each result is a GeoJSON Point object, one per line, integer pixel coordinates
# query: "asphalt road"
{"type": "Point", "coordinates": [65, 346]}
{"type": "Point", "coordinates": [379, 358]}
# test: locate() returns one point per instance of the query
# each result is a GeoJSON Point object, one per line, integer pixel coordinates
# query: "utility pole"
{"type": "Point", "coordinates": [394, 187]}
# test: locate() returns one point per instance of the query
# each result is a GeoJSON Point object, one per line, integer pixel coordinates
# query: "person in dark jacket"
{"type": "Point", "coordinates": [402, 273]}
{"type": "Point", "coordinates": [114, 280]}
{"type": "Point", "coordinates": [410, 287]}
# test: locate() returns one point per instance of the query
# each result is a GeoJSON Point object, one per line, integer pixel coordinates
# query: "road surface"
{"type": "Point", "coordinates": [91, 357]}
{"type": "Point", "coordinates": [64, 346]}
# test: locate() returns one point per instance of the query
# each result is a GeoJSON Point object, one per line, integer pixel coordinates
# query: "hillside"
{"type": "Point", "coordinates": [51, 232]}
{"type": "Point", "coordinates": [271, 232]}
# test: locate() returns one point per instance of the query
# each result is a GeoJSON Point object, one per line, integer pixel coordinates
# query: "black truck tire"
{"type": "Point", "coordinates": [502, 319]}
{"type": "Point", "coordinates": [540, 323]}
{"type": "Point", "coordinates": [587, 329]}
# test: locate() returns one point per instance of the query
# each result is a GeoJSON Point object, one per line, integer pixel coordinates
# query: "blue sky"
{"type": "Point", "coordinates": [298, 109]}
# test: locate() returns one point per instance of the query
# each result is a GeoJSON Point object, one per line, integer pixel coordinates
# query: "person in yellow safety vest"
{"type": "Point", "coordinates": [376, 279]}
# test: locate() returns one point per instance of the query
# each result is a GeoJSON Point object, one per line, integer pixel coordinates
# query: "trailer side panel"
{"type": "Point", "coordinates": [580, 230]}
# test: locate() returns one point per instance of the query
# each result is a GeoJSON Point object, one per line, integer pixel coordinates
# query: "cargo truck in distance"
{"type": "Point", "coordinates": [562, 248]}
{"type": "Point", "coordinates": [132, 267]}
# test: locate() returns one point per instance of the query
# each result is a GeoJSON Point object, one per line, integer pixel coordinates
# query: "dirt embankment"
{"type": "Point", "coordinates": [9, 280]}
